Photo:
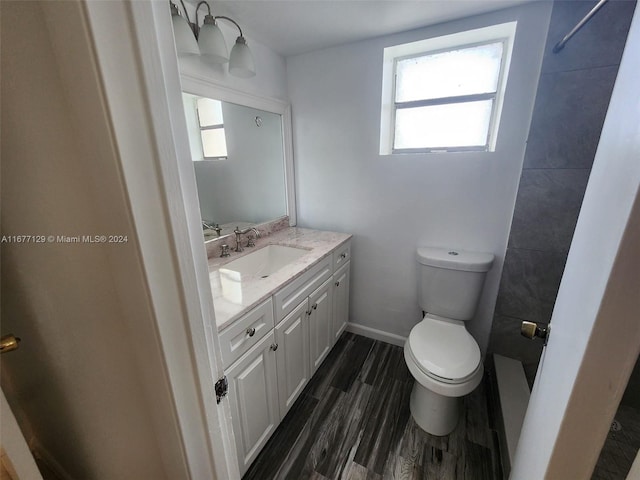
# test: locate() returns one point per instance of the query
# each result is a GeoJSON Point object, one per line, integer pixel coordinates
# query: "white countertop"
{"type": "Point", "coordinates": [232, 304]}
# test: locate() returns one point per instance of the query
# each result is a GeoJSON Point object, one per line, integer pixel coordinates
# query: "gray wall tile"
{"type": "Point", "coordinates": [529, 285]}
{"type": "Point", "coordinates": [547, 209]}
{"type": "Point", "coordinates": [571, 104]}
{"type": "Point", "coordinates": [600, 42]}
{"type": "Point", "coordinates": [568, 117]}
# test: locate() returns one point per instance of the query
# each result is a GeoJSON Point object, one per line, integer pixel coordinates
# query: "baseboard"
{"type": "Point", "coordinates": [513, 399]}
{"type": "Point", "coordinates": [376, 334]}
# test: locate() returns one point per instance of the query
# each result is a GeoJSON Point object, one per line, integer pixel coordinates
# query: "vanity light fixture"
{"type": "Point", "coordinates": [208, 41]}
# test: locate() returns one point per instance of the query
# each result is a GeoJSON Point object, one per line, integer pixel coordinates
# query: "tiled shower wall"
{"type": "Point", "coordinates": [571, 104]}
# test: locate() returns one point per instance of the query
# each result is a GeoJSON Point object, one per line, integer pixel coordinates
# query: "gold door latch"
{"type": "Point", "coordinates": [532, 330]}
{"type": "Point", "coordinates": [9, 343]}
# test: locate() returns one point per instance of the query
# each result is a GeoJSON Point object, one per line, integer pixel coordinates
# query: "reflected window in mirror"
{"type": "Point", "coordinates": [206, 128]}
{"type": "Point", "coordinates": [212, 134]}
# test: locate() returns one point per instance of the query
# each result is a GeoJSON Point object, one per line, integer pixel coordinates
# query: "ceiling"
{"type": "Point", "coordinates": [290, 27]}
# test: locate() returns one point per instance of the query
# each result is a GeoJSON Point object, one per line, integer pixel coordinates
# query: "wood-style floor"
{"type": "Point", "coordinates": [353, 422]}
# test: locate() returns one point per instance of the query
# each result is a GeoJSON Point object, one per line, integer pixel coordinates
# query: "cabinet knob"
{"type": "Point", "coordinates": [343, 255]}
{"type": "Point", "coordinates": [251, 332]}
{"type": "Point", "coordinates": [337, 284]}
{"type": "Point", "coordinates": [315, 306]}
{"type": "Point", "coordinates": [308, 312]}
{"type": "Point", "coordinates": [274, 346]}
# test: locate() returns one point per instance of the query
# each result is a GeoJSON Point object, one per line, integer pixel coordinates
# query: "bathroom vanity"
{"type": "Point", "coordinates": [280, 307]}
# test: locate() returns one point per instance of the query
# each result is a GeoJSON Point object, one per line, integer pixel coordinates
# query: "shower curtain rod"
{"type": "Point", "coordinates": [560, 45]}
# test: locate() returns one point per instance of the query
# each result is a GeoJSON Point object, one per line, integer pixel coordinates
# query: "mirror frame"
{"type": "Point", "coordinates": [202, 86]}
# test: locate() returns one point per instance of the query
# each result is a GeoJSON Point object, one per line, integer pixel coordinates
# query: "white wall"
{"type": "Point", "coordinates": [392, 204]}
{"type": "Point", "coordinates": [270, 80]}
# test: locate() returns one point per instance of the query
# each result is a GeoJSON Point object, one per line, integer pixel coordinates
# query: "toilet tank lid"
{"type": "Point", "coordinates": [455, 259]}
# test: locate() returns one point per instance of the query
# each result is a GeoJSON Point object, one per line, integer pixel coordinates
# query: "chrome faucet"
{"type": "Point", "coordinates": [239, 234]}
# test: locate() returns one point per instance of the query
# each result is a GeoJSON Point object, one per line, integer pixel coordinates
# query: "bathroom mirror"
{"type": "Point", "coordinates": [241, 151]}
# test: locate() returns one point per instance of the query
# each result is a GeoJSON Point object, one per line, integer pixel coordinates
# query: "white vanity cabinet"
{"type": "Point", "coordinates": [303, 329]}
{"type": "Point", "coordinates": [253, 395]}
{"type": "Point", "coordinates": [292, 355]}
{"type": "Point", "coordinates": [290, 296]}
{"type": "Point", "coordinates": [271, 352]}
{"type": "Point", "coordinates": [341, 277]}
{"type": "Point", "coordinates": [304, 339]}
{"type": "Point", "coordinates": [241, 335]}
{"type": "Point", "coordinates": [320, 325]}
{"type": "Point", "coordinates": [340, 300]}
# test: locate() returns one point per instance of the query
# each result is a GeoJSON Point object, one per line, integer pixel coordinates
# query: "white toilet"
{"type": "Point", "coordinates": [441, 355]}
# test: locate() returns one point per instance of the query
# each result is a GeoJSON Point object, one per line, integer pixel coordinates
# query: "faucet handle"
{"type": "Point", "coordinates": [250, 241]}
{"type": "Point", "coordinates": [239, 234]}
{"type": "Point", "coordinates": [225, 251]}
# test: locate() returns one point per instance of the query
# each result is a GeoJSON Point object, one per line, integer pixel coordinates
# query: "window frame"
{"type": "Point", "coordinates": [504, 33]}
{"type": "Point", "coordinates": [449, 100]}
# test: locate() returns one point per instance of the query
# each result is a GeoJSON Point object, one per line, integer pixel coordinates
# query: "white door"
{"type": "Point", "coordinates": [253, 395]}
{"type": "Point", "coordinates": [595, 338]}
{"type": "Point", "coordinates": [320, 336]}
{"type": "Point", "coordinates": [292, 356]}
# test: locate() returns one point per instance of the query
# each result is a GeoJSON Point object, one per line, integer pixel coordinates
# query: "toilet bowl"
{"type": "Point", "coordinates": [440, 353]}
{"type": "Point", "coordinates": [445, 362]}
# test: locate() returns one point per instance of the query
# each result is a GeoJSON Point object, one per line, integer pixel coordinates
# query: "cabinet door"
{"type": "Point", "coordinates": [253, 396]}
{"type": "Point", "coordinates": [320, 334]}
{"type": "Point", "coordinates": [340, 300]}
{"type": "Point", "coordinates": [292, 356]}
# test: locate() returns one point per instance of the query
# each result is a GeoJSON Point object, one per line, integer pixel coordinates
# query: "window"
{"type": "Point", "coordinates": [445, 94]}
{"type": "Point", "coordinates": [214, 143]}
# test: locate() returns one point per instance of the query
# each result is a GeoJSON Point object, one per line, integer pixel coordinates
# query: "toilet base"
{"type": "Point", "coordinates": [434, 413]}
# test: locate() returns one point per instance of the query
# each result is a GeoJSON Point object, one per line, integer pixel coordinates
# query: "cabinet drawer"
{"type": "Point", "coordinates": [341, 255]}
{"type": "Point", "coordinates": [290, 296]}
{"type": "Point", "coordinates": [244, 333]}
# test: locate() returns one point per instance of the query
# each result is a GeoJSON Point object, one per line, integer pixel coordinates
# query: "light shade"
{"type": "Point", "coordinates": [241, 60]}
{"type": "Point", "coordinates": [186, 44]}
{"type": "Point", "coordinates": [213, 48]}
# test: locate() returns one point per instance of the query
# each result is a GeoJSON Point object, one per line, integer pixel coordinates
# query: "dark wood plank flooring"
{"type": "Point", "coordinates": [353, 422]}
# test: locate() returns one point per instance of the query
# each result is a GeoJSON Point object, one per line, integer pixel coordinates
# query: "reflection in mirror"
{"type": "Point", "coordinates": [239, 164]}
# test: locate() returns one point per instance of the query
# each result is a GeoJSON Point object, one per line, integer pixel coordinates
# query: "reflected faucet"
{"type": "Point", "coordinates": [239, 234]}
{"type": "Point", "coordinates": [208, 226]}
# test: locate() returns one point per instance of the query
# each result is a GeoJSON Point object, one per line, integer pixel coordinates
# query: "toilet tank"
{"type": "Point", "coordinates": [451, 281]}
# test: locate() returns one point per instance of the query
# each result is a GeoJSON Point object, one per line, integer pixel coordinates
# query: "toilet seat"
{"type": "Point", "coordinates": [444, 350]}
{"type": "Point", "coordinates": [435, 385]}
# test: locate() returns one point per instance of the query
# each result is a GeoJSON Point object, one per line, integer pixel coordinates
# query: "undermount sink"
{"type": "Point", "coordinates": [262, 262]}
